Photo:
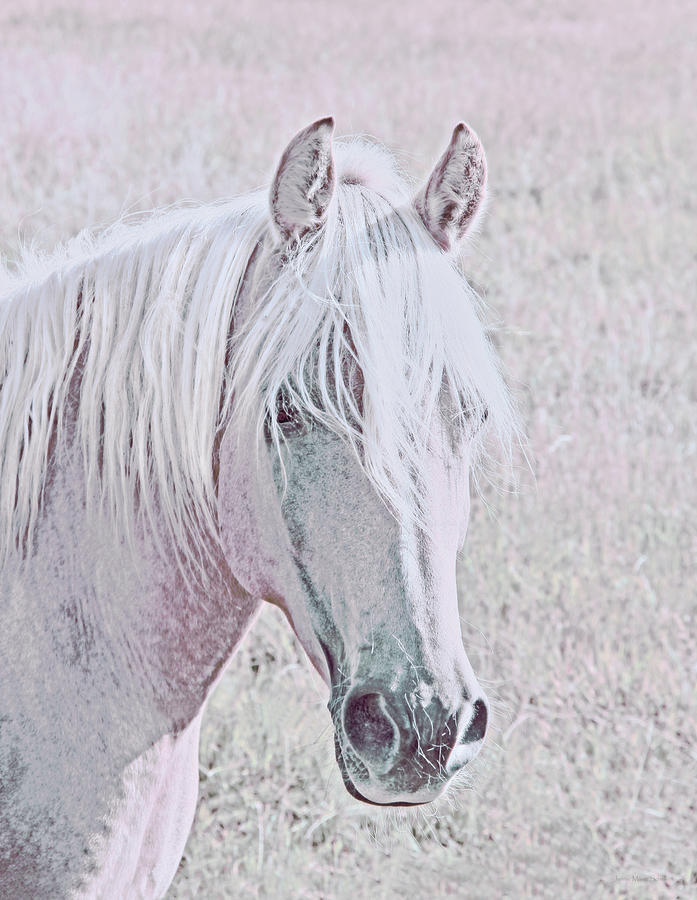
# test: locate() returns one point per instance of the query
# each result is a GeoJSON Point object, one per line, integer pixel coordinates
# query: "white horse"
{"type": "Point", "coordinates": [210, 408]}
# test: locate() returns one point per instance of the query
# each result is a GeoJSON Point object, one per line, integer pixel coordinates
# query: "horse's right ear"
{"type": "Point", "coordinates": [304, 182]}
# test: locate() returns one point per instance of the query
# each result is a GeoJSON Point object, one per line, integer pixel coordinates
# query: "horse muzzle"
{"type": "Point", "coordinates": [394, 750]}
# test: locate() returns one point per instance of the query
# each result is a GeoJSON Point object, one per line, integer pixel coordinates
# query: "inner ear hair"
{"type": "Point", "coordinates": [304, 182]}
{"type": "Point", "coordinates": [455, 192]}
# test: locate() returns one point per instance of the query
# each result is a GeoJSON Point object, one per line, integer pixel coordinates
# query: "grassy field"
{"type": "Point", "coordinates": [578, 594]}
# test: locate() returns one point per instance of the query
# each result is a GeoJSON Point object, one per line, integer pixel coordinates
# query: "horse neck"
{"type": "Point", "coordinates": [123, 617]}
{"type": "Point", "coordinates": [123, 622]}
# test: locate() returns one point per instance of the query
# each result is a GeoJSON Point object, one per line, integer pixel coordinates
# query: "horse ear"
{"type": "Point", "coordinates": [456, 190]}
{"type": "Point", "coordinates": [304, 181]}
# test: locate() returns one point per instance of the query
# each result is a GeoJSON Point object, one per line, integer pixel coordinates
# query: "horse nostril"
{"type": "Point", "coordinates": [477, 726]}
{"type": "Point", "coordinates": [370, 729]}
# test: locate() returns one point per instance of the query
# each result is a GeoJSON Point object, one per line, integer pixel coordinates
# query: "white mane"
{"type": "Point", "coordinates": [146, 310]}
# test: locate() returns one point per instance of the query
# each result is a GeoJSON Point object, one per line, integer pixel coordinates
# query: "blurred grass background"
{"type": "Point", "coordinates": [578, 595]}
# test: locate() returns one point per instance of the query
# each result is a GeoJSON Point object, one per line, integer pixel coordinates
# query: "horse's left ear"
{"type": "Point", "coordinates": [304, 182]}
{"type": "Point", "coordinates": [456, 190]}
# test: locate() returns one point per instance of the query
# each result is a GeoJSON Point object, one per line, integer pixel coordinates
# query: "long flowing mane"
{"type": "Point", "coordinates": [143, 314]}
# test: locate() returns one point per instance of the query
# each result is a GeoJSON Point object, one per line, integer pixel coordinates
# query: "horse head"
{"type": "Point", "coordinates": [362, 380]}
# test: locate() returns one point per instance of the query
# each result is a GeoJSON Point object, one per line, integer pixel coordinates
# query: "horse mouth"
{"type": "Point", "coordinates": [353, 790]}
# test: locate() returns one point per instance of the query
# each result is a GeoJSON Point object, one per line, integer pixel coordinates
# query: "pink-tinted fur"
{"type": "Point", "coordinates": [101, 709]}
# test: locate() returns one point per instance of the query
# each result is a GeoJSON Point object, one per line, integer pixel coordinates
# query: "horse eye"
{"type": "Point", "coordinates": [472, 416]}
{"type": "Point", "coordinates": [289, 420]}
{"type": "Point", "coordinates": [286, 415]}
{"type": "Point", "coordinates": [477, 414]}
